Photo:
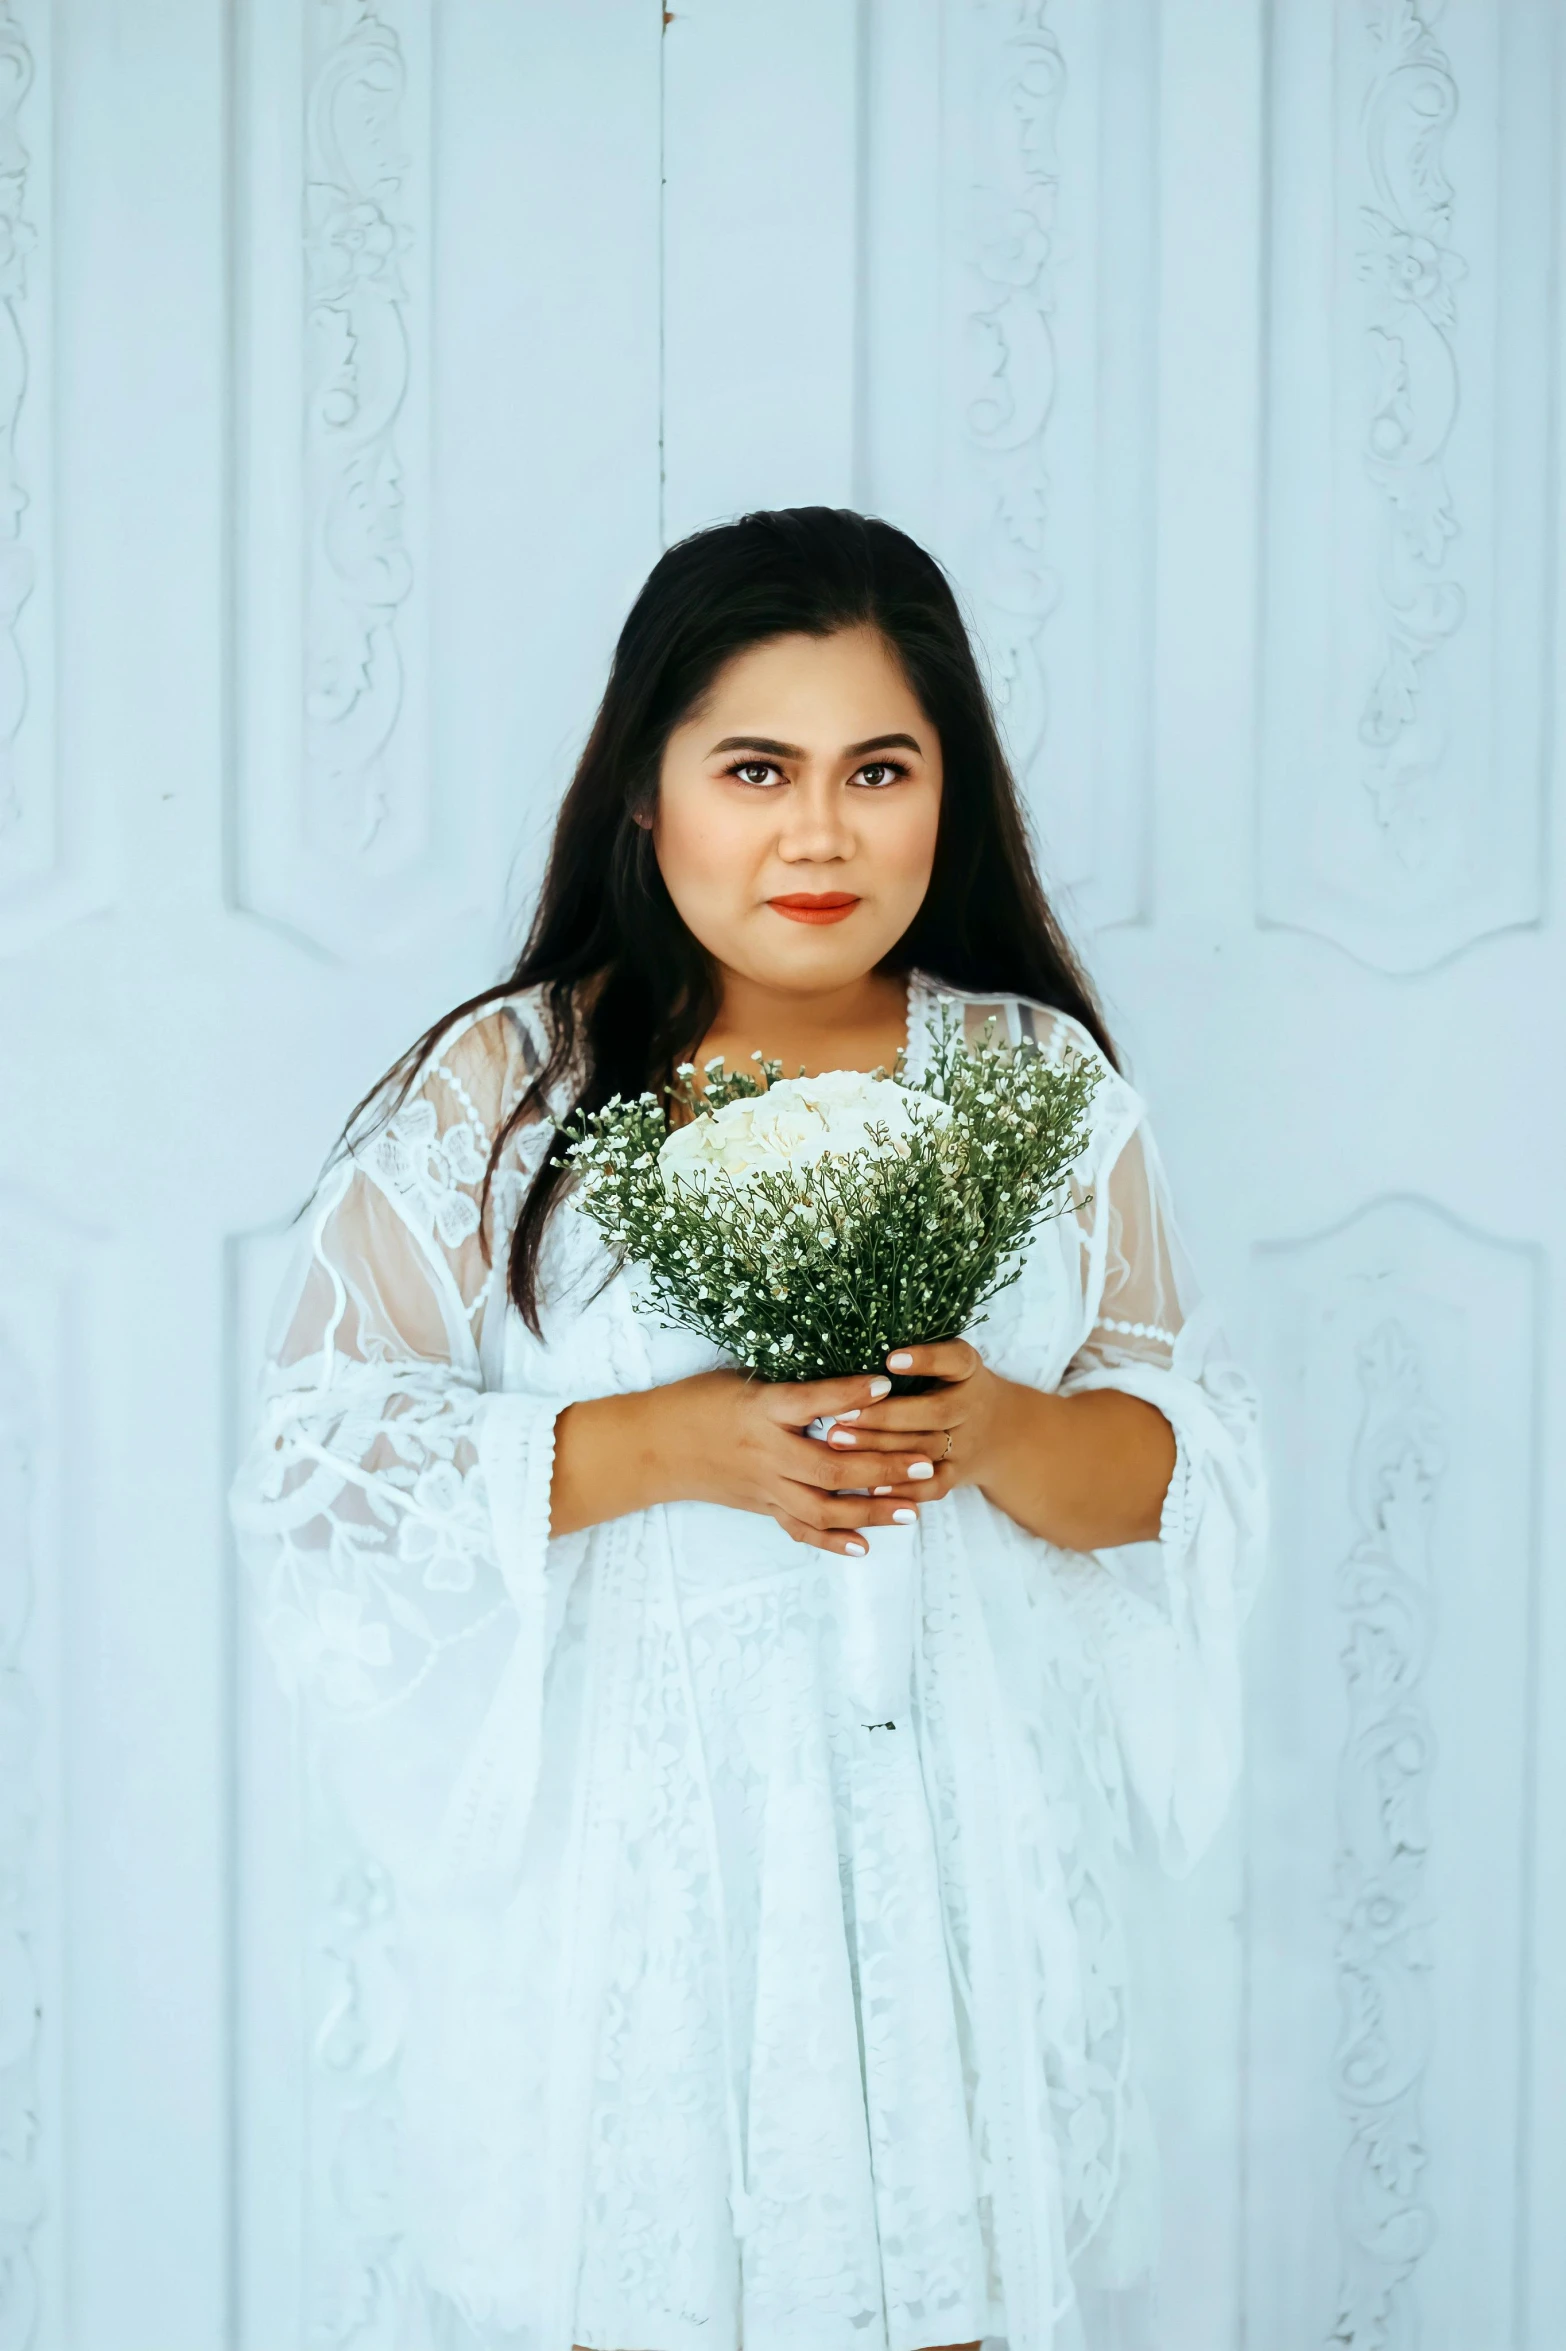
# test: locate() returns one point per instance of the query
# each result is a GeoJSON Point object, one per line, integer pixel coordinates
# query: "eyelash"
{"type": "Point", "coordinates": [894, 768]}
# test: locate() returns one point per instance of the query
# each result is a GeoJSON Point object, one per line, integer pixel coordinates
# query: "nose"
{"type": "Point", "coordinates": [814, 828]}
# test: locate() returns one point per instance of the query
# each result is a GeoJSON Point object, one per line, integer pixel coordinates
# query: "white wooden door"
{"type": "Point", "coordinates": [356, 359]}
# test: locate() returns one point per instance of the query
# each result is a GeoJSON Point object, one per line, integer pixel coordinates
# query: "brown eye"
{"type": "Point", "coordinates": [878, 773]}
{"type": "Point", "coordinates": [752, 771]}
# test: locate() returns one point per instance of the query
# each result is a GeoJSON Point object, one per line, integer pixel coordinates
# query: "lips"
{"type": "Point", "coordinates": [815, 905]}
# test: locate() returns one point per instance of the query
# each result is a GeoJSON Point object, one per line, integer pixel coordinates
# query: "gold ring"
{"type": "Point", "coordinates": [948, 1444]}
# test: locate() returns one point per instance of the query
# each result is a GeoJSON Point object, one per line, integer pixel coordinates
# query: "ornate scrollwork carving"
{"type": "Point", "coordinates": [1379, 1879]}
{"type": "Point", "coordinates": [1406, 256]}
{"type": "Point", "coordinates": [358, 570]}
{"type": "Point", "coordinates": [1012, 349]}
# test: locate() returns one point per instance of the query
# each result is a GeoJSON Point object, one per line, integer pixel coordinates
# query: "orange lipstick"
{"type": "Point", "coordinates": [816, 905]}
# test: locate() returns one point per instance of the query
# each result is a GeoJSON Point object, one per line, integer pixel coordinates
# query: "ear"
{"type": "Point", "coordinates": [643, 817]}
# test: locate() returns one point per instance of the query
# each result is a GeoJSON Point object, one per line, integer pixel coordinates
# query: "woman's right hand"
{"type": "Point", "coordinates": [723, 1437]}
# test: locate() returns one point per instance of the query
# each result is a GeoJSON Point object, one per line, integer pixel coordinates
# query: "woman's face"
{"type": "Point", "coordinates": [797, 810]}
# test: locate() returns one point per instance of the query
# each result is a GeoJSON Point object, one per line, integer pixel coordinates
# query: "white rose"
{"type": "Point", "coordinates": [792, 1126]}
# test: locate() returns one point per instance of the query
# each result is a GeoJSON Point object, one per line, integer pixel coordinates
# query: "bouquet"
{"type": "Point", "coordinates": [809, 1226]}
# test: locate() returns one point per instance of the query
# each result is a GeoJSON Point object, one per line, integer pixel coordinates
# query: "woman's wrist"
{"type": "Point", "coordinates": [1015, 1449]}
{"type": "Point", "coordinates": [611, 1458]}
{"type": "Point", "coordinates": [1087, 1472]}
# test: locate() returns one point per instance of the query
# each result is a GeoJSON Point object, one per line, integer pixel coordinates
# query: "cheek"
{"type": "Point", "coordinates": [694, 847]}
{"type": "Point", "coordinates": [703, 853]}
{"type": "Point", "coordinates": [904, 839]}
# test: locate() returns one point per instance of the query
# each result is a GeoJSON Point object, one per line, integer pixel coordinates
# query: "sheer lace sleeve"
{"type": "Point", "coordinates": [392, 1510]}
{"type": "Point", "coordinates": [1167, 1614]}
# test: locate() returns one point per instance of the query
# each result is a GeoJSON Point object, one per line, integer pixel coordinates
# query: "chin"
{"type": "Point", "coordinates": [813, 974]}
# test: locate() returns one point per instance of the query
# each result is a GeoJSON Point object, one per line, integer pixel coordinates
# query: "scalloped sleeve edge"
{"type": "Point", "coordinates": [1173, 1660]}
{"type": "Point", "coordinates": [490, 1804]}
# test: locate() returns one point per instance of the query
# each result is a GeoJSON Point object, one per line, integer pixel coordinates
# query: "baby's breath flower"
{"type": "Point", "coordinates": [816, 1248]}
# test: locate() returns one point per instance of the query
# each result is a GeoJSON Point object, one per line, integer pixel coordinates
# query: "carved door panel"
{"type": "Point", "coordinates": [356, 357]}
{"type": "Point", "coordinates": [308, 583]}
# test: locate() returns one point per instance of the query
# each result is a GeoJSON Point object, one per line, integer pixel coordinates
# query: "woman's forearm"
{"type": "Point", "coordinates": [1085, 1472]}
{"type": "Point", "coordinates": [610, 1458]}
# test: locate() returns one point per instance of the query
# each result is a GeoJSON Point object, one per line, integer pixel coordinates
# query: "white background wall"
{"type": "Point", "coordinates": [356, 359]}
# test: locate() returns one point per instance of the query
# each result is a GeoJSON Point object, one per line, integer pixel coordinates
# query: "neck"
{"type": "Point", "coordinates": [860, 1025]}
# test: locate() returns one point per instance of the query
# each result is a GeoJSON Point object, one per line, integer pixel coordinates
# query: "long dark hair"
{"type": "Point", "coordinates": [628, 990]}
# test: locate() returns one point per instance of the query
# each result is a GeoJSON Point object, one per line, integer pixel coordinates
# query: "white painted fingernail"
{"type": "Point", "coordinates": [880, 1489]}
{"type": "Point", "coordinates": [901, 1361]}
{"type": "Point", "coordinates": [858, 1549]}
{"type": "Point", "coordinates": [880, 1387]}
{"type": "Point", "coordinates": [841, 1437]}
{"type": "Point", "coordinates": [905, 1518]}
{"type": "Point", "coordinates": [921, 1469]}
{"type": "Point", "coordinates": [854, 1415]}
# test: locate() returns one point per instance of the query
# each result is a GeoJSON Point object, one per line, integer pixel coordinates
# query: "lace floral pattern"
{"type": "Point", "coordinates": [434, 1173]}
{"type": "Point", "coordinates": [363, 1505]}
{"type": "Point", "coordinates": [733, 2019]}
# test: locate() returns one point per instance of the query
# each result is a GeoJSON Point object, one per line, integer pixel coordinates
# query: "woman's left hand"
{"type": "Point", "coordinates": [944, 1438]}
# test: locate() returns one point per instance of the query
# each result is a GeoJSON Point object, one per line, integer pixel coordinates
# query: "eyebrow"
{"type": "Point", "coordinates": [796, 750]}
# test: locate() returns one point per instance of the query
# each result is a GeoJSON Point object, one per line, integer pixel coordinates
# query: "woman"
{"type": "Point", "coordinates": [735, 2020]}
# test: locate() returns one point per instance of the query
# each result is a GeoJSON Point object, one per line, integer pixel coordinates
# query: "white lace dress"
{"type": "Point", "coordinates": [733, 2021]}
